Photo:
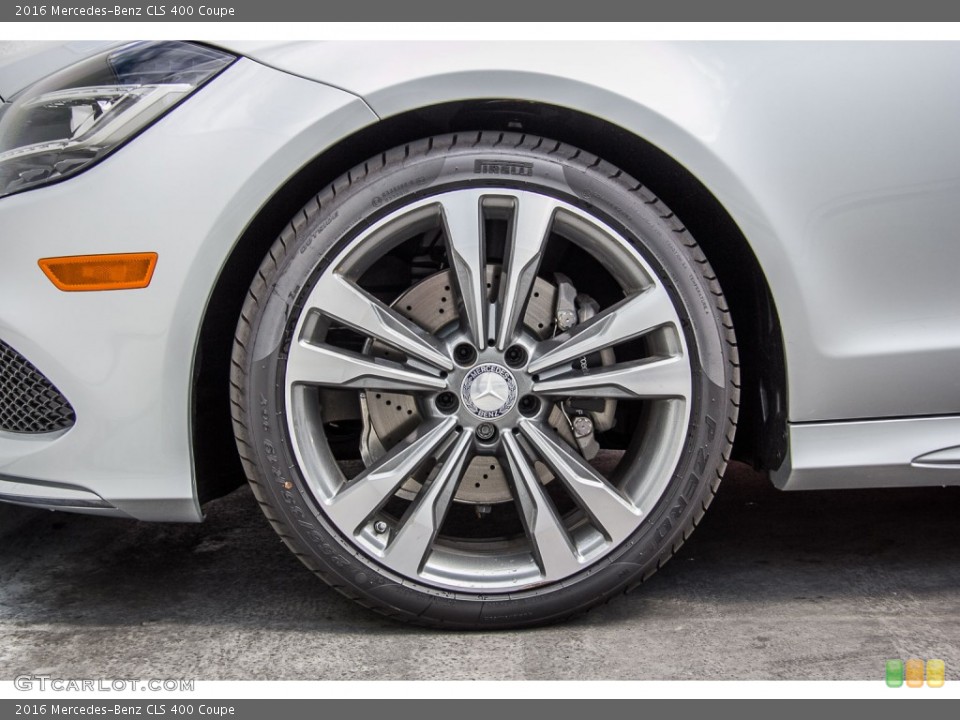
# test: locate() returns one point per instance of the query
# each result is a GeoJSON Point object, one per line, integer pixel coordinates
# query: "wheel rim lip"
{"type": "Point", "coordinates": [445, 567]}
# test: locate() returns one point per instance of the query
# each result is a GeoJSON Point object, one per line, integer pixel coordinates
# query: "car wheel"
{"type": "Point", "coordinates": [484, 380]}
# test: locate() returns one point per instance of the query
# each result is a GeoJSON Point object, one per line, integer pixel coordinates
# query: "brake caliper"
{"type": "Point", "coordinates": [584, 417]}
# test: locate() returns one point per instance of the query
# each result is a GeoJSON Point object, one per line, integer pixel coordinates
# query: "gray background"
{"type": "Point", "coordinates": [816, 586]}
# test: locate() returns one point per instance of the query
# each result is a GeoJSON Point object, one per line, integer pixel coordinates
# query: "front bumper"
{"type": "Point", "coordinates": [186, 189]}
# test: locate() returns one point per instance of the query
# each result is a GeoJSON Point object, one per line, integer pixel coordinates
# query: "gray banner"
{"type": "Point", "coordinates": [462, 709]}
{"type": "Point", "coordinates": [445, 10]}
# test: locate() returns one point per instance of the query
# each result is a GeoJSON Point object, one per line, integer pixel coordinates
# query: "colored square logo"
{"type": "Point", "coordinates": [914, 673]}
{"type": "Point", "coordinates": [936, 673]}
{"type": "Point", "coordinates": [894, 673]}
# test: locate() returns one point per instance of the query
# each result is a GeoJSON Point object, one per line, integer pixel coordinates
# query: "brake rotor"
{"type": "Point", "coordinates": [390, 417]}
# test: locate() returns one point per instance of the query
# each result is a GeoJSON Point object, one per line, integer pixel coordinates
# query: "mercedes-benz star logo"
{"type": "Point", "coordinates": [489, 385]}
{"type": "Point", "coordinates": [489, 391]}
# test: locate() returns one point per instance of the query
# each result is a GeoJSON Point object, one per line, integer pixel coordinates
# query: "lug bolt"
{"type": "Point", "coordinates": [380, 526]}
{"type": "Point", "coordinates": [529, 405]}
{"type": "Point", "coordinates": [486, 432]}
{"type": "Point", "coordinates": [446, 402]}
{"type": "Point", "coordinates": [464, 354]}
{"type": "Point", "coordinates": [515, 356]}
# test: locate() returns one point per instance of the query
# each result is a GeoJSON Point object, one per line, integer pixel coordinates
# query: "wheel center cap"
{"type": "Point", "coordinates": [489, 391]}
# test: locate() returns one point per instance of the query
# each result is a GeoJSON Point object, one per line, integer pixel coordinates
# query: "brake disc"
{"type": "Point", "coordinates": [390, 417]}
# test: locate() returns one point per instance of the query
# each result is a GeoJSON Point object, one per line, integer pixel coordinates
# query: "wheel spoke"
{"type": "Point", "coordinates": [552, 548]}
{"type": "Point", "coordinates": [629, 318]}
{"type": "Point", "coordinates": [463, 224]}
{"type": "Point", "coordinates": [532, 221]}
{"type": "Point", "coordinates": [653, 378]}
{"type": "Point", "coordinates": [317, 364]}
{"type": "Point", "coordinates": [366, 494]}
{"type": "Point", "coordinates": [408, 549]}
{"type": "Point", "coordinates": [344, 302]}
{"type": "Point", "coordinates": [611, 512]}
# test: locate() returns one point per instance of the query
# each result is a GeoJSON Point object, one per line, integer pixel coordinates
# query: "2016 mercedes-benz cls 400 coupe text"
{"type": "Point", "coordinates": [482, 324]}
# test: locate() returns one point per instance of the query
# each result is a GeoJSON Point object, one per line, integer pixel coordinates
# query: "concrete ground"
{"type": "Point", "coordinates": [820, 585]}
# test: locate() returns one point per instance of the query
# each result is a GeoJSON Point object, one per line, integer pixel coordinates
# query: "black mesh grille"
{"type": "Point", "coordinates": [29, 403]}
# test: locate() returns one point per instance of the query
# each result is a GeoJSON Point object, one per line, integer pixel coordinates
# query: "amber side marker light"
{"type": "Point", "coordinates": [126, 271]}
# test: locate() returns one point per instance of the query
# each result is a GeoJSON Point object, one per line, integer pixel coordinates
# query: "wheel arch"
{"type": "Point", "coordinates": [761, 435]}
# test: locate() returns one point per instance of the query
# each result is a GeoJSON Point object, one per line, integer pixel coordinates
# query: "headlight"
{"type": "Point", "coordinates": [72, 119]}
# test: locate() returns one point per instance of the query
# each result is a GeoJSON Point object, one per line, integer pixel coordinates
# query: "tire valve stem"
{"type": "Point", "coordinates": [482, 511]}
{"type": "Point", "coordinates": [380, 526]}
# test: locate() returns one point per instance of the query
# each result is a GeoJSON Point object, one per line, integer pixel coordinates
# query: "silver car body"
{"type": "Point", "coordinates": [836, 160]}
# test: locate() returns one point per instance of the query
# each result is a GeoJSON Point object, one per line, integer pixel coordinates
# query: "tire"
{"type": "Point", "coordinates": [450, 479]}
